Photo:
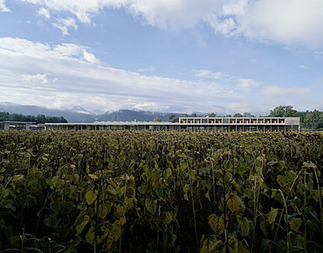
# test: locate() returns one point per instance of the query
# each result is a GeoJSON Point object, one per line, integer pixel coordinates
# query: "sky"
{"type": "Point", "coordinates": [222, 56]}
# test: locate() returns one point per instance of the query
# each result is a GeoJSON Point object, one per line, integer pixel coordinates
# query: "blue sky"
{"type": "Point", "coordinates": [167, 55]}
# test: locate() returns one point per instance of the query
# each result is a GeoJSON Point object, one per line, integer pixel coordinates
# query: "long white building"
{"type": "Point", "coordinates": [210, 124]}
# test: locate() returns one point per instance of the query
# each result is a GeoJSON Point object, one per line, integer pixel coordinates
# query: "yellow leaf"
{"type": "Point", "coordinates": [94, 177]}
{"type": "Point", "coordinates": [295, 223]}
{"type": "Point", "coordinates": [238, 188]}
{"type": "Point", "coordinates": [272, 215]}
{"type": "Point", "coordinates": [90, 197]}
{"type": "Point", "coordinates": [17, 178]}
{"type": "Point", "coordinates": [90, 235]}
{"type": "Point", "coordinates": [168, 217]}
{"type": "Point", "coordinates": [80, 227]}
{"type": "Point", "coordinates": [216, 223]}
{"type": "Point", "coordinates": [122, 221]}
{"type": "Point", "coordinates": [234, 203]}
{"type": "Point", "coordinates": [244, 224]}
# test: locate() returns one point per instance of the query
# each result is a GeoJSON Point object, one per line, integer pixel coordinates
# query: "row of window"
{"type": "Point", "coordinates": [233, 121]}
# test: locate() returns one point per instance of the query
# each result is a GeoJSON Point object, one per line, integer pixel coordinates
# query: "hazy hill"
{"type": "Point", "coordinates": [79, 115]}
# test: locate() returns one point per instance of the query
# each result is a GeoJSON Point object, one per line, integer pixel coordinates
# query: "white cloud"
{"type": "Point", "coordinates": [288, 22]}
{"type": "Point", "coordinates": [3, 7]}
{"type": "Point", "coordinates": [38, 78]}
{"type": "Point", "coordinates": [205, 73]}
{"type": "Point", "coordinates": [242, 84]}
{"type": "Point", "coordinates": [150, 69]}
{"type": "Point", "coordinates": [275, 91]}
{"type": "Point", "coordinates": [90, 57]}
{"type": "Point", "coordinates": [74, 79]}
{"type": "Point", "coordinates": [44, 12]}
{"type": "Point", "coordinates": [64, 24]}
{"type": "Point", "coordinates": [247, 84]}
{"type": "Point", "coordinates": [61, 76]}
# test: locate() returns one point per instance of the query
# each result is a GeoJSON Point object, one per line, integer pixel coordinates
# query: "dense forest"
{"type": "Point", "coordinates": [5, 116]}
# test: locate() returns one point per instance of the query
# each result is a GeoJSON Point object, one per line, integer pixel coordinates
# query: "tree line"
{"type": "Point", "coordinates": [39, 119]}
{"type": "Point", "coordinates": [311, 120]}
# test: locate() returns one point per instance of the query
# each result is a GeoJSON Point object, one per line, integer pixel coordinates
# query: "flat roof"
{"type": "Point", "coordinates": [16, 122]}
{"type": "Point", "coordinates": [116, 123]}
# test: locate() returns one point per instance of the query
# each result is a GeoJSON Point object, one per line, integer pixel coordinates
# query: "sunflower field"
{"type": "Point", "coordinates": [145, 191]}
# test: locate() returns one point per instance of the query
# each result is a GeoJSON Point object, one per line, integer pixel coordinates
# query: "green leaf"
{"type": "Point", "coordinates": [272, 215]}
{"type": "Point", "coordinates": [90, 197]}
{"type": "Point", "coordinates": [295, 223]}
{"type": "Point", "coordinates": [79, 228]}
{"type": "Point", "coordinates": [151, 205]}
{"type": "Point", "coordinates": [211, 245]}
{"type": "Point", "coordinates": [168, 217]}
{"type": "Point", "coordinates": [111, 190]}
{"type": "Point", "coordinates": [122, 221]}
{"type": "Point", "coordinates": [244, 224]}
{"type": "Point", "coordinates": [309, 165]}
{"type": "Point", "coordinates": [94, 177]}
{"type": "Point", "coordinates": [238, 188]}
{"type": "Point", "coordinates": [51, 222]}
{"type": "Point", "coordinates": [17, 178]}
{"type": "Point", "coordinates": [90, 235]}
{"type": "Point", "coordinates": [266, 227]}
{"type": "Point", "coordinates": [216, 223]}
{"type": "Point", "coordinates": [54, 181]}
{"type": "Point", "coordinates": [104, 210]}
{"type": "Point", "coordinates": [234, 203]}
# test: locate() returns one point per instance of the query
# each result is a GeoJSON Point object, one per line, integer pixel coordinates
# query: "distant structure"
{"type": "Point", "coordinates": [196, 124]}
{"type": "Point", "coordinates": [7, 125]}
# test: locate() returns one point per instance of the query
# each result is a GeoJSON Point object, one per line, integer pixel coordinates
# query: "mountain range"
{"type": "Point", "coordinates": [80, 115]}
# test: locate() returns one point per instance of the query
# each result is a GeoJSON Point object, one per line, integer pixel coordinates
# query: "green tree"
{"type": "Point", "coordinates": [173, 118]}
{"type": "Point", "coordinates": [237, 115]}
{"type": "Point", "coordinates": [248, 114]}
{"type": "Point", "coordinates": [157, 119]}
{"type": "Point", "coordinates": [283, 111]}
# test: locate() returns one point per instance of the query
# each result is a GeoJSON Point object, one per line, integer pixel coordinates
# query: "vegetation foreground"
{"type": "Point", "coordinates": [123, 191]}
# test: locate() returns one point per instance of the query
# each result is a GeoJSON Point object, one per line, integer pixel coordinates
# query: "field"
{"type": "Point", "coordinates": [128, 191]}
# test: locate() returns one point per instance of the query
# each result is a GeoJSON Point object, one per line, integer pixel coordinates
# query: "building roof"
{"type": "Point", "coordinates": [16, 122]}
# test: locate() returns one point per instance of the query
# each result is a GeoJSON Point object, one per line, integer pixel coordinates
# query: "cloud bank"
{"type": "Point", "coordinates": [65, 75]}
{"type": "Point", "coordinates": [288, 22]}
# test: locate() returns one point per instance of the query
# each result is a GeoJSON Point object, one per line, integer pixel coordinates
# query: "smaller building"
{"type": "Point", "coordinates": [15, 125]}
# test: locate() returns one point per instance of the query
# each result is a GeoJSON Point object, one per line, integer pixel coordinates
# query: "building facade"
{"type": "Point", "coordinates": [198, 124]}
